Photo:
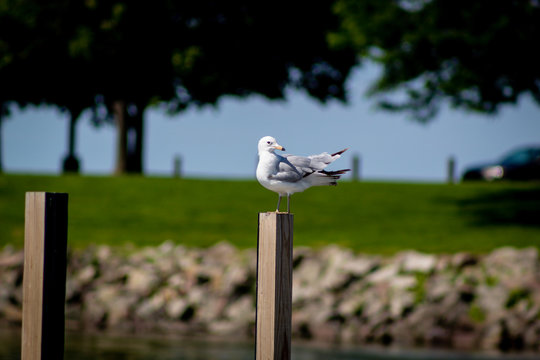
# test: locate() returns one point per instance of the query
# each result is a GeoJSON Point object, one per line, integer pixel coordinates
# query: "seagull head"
{"type": "Point", "coordinates": [269, 144]}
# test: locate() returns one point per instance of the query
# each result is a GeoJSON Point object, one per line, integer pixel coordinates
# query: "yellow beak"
{"type": "Point", "coordinates": [279, 147]}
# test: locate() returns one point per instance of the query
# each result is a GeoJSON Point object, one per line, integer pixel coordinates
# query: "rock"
{"type": "Point", "coordinates": [350, 306]}
{"type": "Point", "coordinates": [176, 307]}
{"type": "Point", "coordinates": [12, 313]}
{"type": "Point", "coordinates": [10, 259]}
{"type": "Point", "coordinates": [241, 310]}
{"type": "Point", "coordinates": [491, 299]}
{"type": "Point", "coordinates": [334, 274]}
{"type": "Point", "coordinates": [177, 282]}
{"type": "Point", "coordinates": [118, 310]}
{"type": "Point", "coordinates": [464, 339]}
{"type": "Point", "coordinates": [151, 307]}
{"type": "Point", "coordinates": [491, 336]}
{"type": "Point", "coordinates": [462, 260]}
{"type": "Point", "coordinates": [531, 337]}
{"type": "Point", "coordinates": [141, 281]}
{"type": "Point", "coordinates": [107, 294]}
{"type": "Point", "coordinates": [360, 266]}
{"type": "Point", "coordinates": [402, 282]}
{"type": "Point", "coordinates": [412, 261]}
{"type": "Point", "coordinates": [166, 248]}
{"type": "Point", "coordinates": [483, 302]}
{"type": "Point", "coordinates": [513, 267]}
{"type": "Point", "coordinates": [398, 304]}
{"type": "Point", "coordinates": [85, 275]}
{"type": "Point", "coordinates": [383, 274]}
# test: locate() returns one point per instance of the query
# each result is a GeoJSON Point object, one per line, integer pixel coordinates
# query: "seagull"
{"type": "Point", "coordinates": [290, 174]}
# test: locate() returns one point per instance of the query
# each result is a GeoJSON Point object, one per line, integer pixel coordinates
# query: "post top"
{"type": "Point", "coordinates": [275, 213]}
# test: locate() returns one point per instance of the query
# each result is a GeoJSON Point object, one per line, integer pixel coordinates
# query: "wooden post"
{"type": "Point", "coordinates": [451, 170]}
{"type": "Point", "coordinates": [274, 286]}
{"type": "Point", "coordinates": [177, 167]}
{"type": "Point", "coordinates": [44, 279]}
{"type": "Point", "coordinates": [356, 167]}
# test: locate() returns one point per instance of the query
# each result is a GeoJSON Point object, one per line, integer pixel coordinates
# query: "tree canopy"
{"type": "Point", "coordinates": [119, 57]}
{"type": "Point", "coordinates": [478, 55]}
{"type": "Point", "coordinates": [128, 55]}
{"type": "Point", "coordinates": [188, 53]}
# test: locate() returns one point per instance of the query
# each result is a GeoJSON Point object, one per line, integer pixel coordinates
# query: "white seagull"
{"type": "Point", "coordinates": [289, 174]}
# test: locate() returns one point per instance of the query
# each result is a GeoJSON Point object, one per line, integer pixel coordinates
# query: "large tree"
{"type": "Point", "coordinates": [477, 55]}
{"type": "Point", "coordinates": [121, 57]}
{"type": "Point", "coordinates": [37, 63]}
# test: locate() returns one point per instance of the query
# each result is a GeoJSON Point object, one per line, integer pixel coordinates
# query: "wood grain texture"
{"type": "Point", "coordinates": [44, 279]}
{"type": "Point", "coordinates": [34, 248]}
{"type": "Point", "coordinates": [283, 312]}
{"type": "Point", "coordinates": [274, 286]}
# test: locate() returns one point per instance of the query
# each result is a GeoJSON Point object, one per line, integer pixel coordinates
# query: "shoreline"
{"type": "Point", "coordinates": [488, 302]}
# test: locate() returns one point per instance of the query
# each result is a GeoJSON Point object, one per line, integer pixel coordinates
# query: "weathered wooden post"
{"type": "Point", "coordinates": [356, 167]}
{"type": "Point", "coordinates": [274, 286]}
{"type": "Point", "coordinates": [44, 279]}
{"type": "Point", "coordinates": [450, 170]}
{"type": "Point", "coordinates": [177, 167]}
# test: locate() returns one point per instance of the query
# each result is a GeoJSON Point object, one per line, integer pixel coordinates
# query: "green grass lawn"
{"type": "Point", "coordinates": [368, 217]}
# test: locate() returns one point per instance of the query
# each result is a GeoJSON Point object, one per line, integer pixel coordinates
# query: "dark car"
{"type": "Point", "coordinates": [520, 164]}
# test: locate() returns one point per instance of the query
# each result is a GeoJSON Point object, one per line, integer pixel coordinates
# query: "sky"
{"type": "Point", "coordinates": [221, 142]}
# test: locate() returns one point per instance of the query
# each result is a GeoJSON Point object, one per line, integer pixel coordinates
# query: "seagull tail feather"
{"type": "Point", "coordinates": [339, 152]}
{"type": "Point", "coordinates": [328, 178]}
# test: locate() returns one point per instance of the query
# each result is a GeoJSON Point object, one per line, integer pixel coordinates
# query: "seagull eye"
{"type": "Point", "coordinates": [268, 142]}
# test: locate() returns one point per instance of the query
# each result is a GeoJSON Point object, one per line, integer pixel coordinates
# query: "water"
{"type": "Point", "coordinates": [109, 347]}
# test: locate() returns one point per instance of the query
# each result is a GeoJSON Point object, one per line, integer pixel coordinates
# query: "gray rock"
{"type": "Point", "coordinates": [413, 261]}
{"type": "Point", "coordinates": [383, 274]}
{"type": "Point", "coordinates": [141, 281]}
{"type": "Point", "coordinates": [176, 307]}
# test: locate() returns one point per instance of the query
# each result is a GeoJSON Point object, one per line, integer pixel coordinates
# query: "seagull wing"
{"type": "Point", "coordinates": [310, 164]}
{"type": "Point", "coordinates": [294, 168]}
{"type": "Point", "coordinates": [301, 163]}
{"type": "Point", "coordinates": [287, 171]}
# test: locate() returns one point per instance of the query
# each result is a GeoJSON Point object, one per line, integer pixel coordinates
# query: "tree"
{"type": "Point", "coordinates": [477, 55]}
{"type": "Point", "coordinates": [36, 65]}
{"type": "Point", "coordinates": [130, 55]}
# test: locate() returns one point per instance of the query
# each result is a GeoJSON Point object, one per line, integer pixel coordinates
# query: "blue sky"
{"type": "Point", "coordinates": [222, 142]}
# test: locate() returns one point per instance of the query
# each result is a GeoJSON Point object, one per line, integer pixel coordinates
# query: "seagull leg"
{"type": "Point", "coordinates": [289, 203]}
{"type": "Point", "coordinates": [278, 202]}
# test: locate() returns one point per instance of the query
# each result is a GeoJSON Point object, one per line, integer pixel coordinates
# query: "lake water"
{"type": "Point", "coordinates": [109, 347]}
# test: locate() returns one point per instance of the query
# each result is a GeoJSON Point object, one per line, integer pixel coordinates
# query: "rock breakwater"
{"type": "Point", "coordinates": [464, 301]}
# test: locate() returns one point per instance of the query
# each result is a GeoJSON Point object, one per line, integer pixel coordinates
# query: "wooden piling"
{"type": "Point", "coordinates": [356, 167]}
{"type": "Point", "coordinates": [177, 167]}
{"type": "Point", "coordinates": [451, 170]}
{"type": "Point", "coordinates": [44, 278]}
{"type": "Point", "coordinates": [274, 286]}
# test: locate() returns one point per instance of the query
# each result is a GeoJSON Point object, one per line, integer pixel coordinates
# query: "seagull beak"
{"type": "Point", "coordinates": [279, 147]}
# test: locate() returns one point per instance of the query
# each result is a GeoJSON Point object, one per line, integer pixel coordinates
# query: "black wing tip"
{"type": "Point", "coordinates": [334, 173]}
{"type": "Point", "coordinates": [340, 152]}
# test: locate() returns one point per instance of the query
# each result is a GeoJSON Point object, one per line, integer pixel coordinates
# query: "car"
{"type": "Point", "coordinates": [520, 164]}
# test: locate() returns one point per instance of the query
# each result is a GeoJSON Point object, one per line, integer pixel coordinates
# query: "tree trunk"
{"type": "Point", "coordinates": [129, 138]}
{"type": "Point", "coordinates": [71, 163]}
{"type": "Point", "coordinates": [135, 142]}
{"type": "Point", "coordinates": [120, 115]}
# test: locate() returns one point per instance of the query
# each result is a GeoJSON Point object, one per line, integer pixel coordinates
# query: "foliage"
{"type": "Point", "coordinates": [478, 55]}
{"type": "Point", "coordinates": [120, 57]}
{"type": "Point", "coordinates": [183, 53]}
{"type": "Point", "coordinates": [368, 217]}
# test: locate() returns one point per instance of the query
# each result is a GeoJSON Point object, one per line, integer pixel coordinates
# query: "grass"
{"type": "Point", "coordinates": [369, 217]}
